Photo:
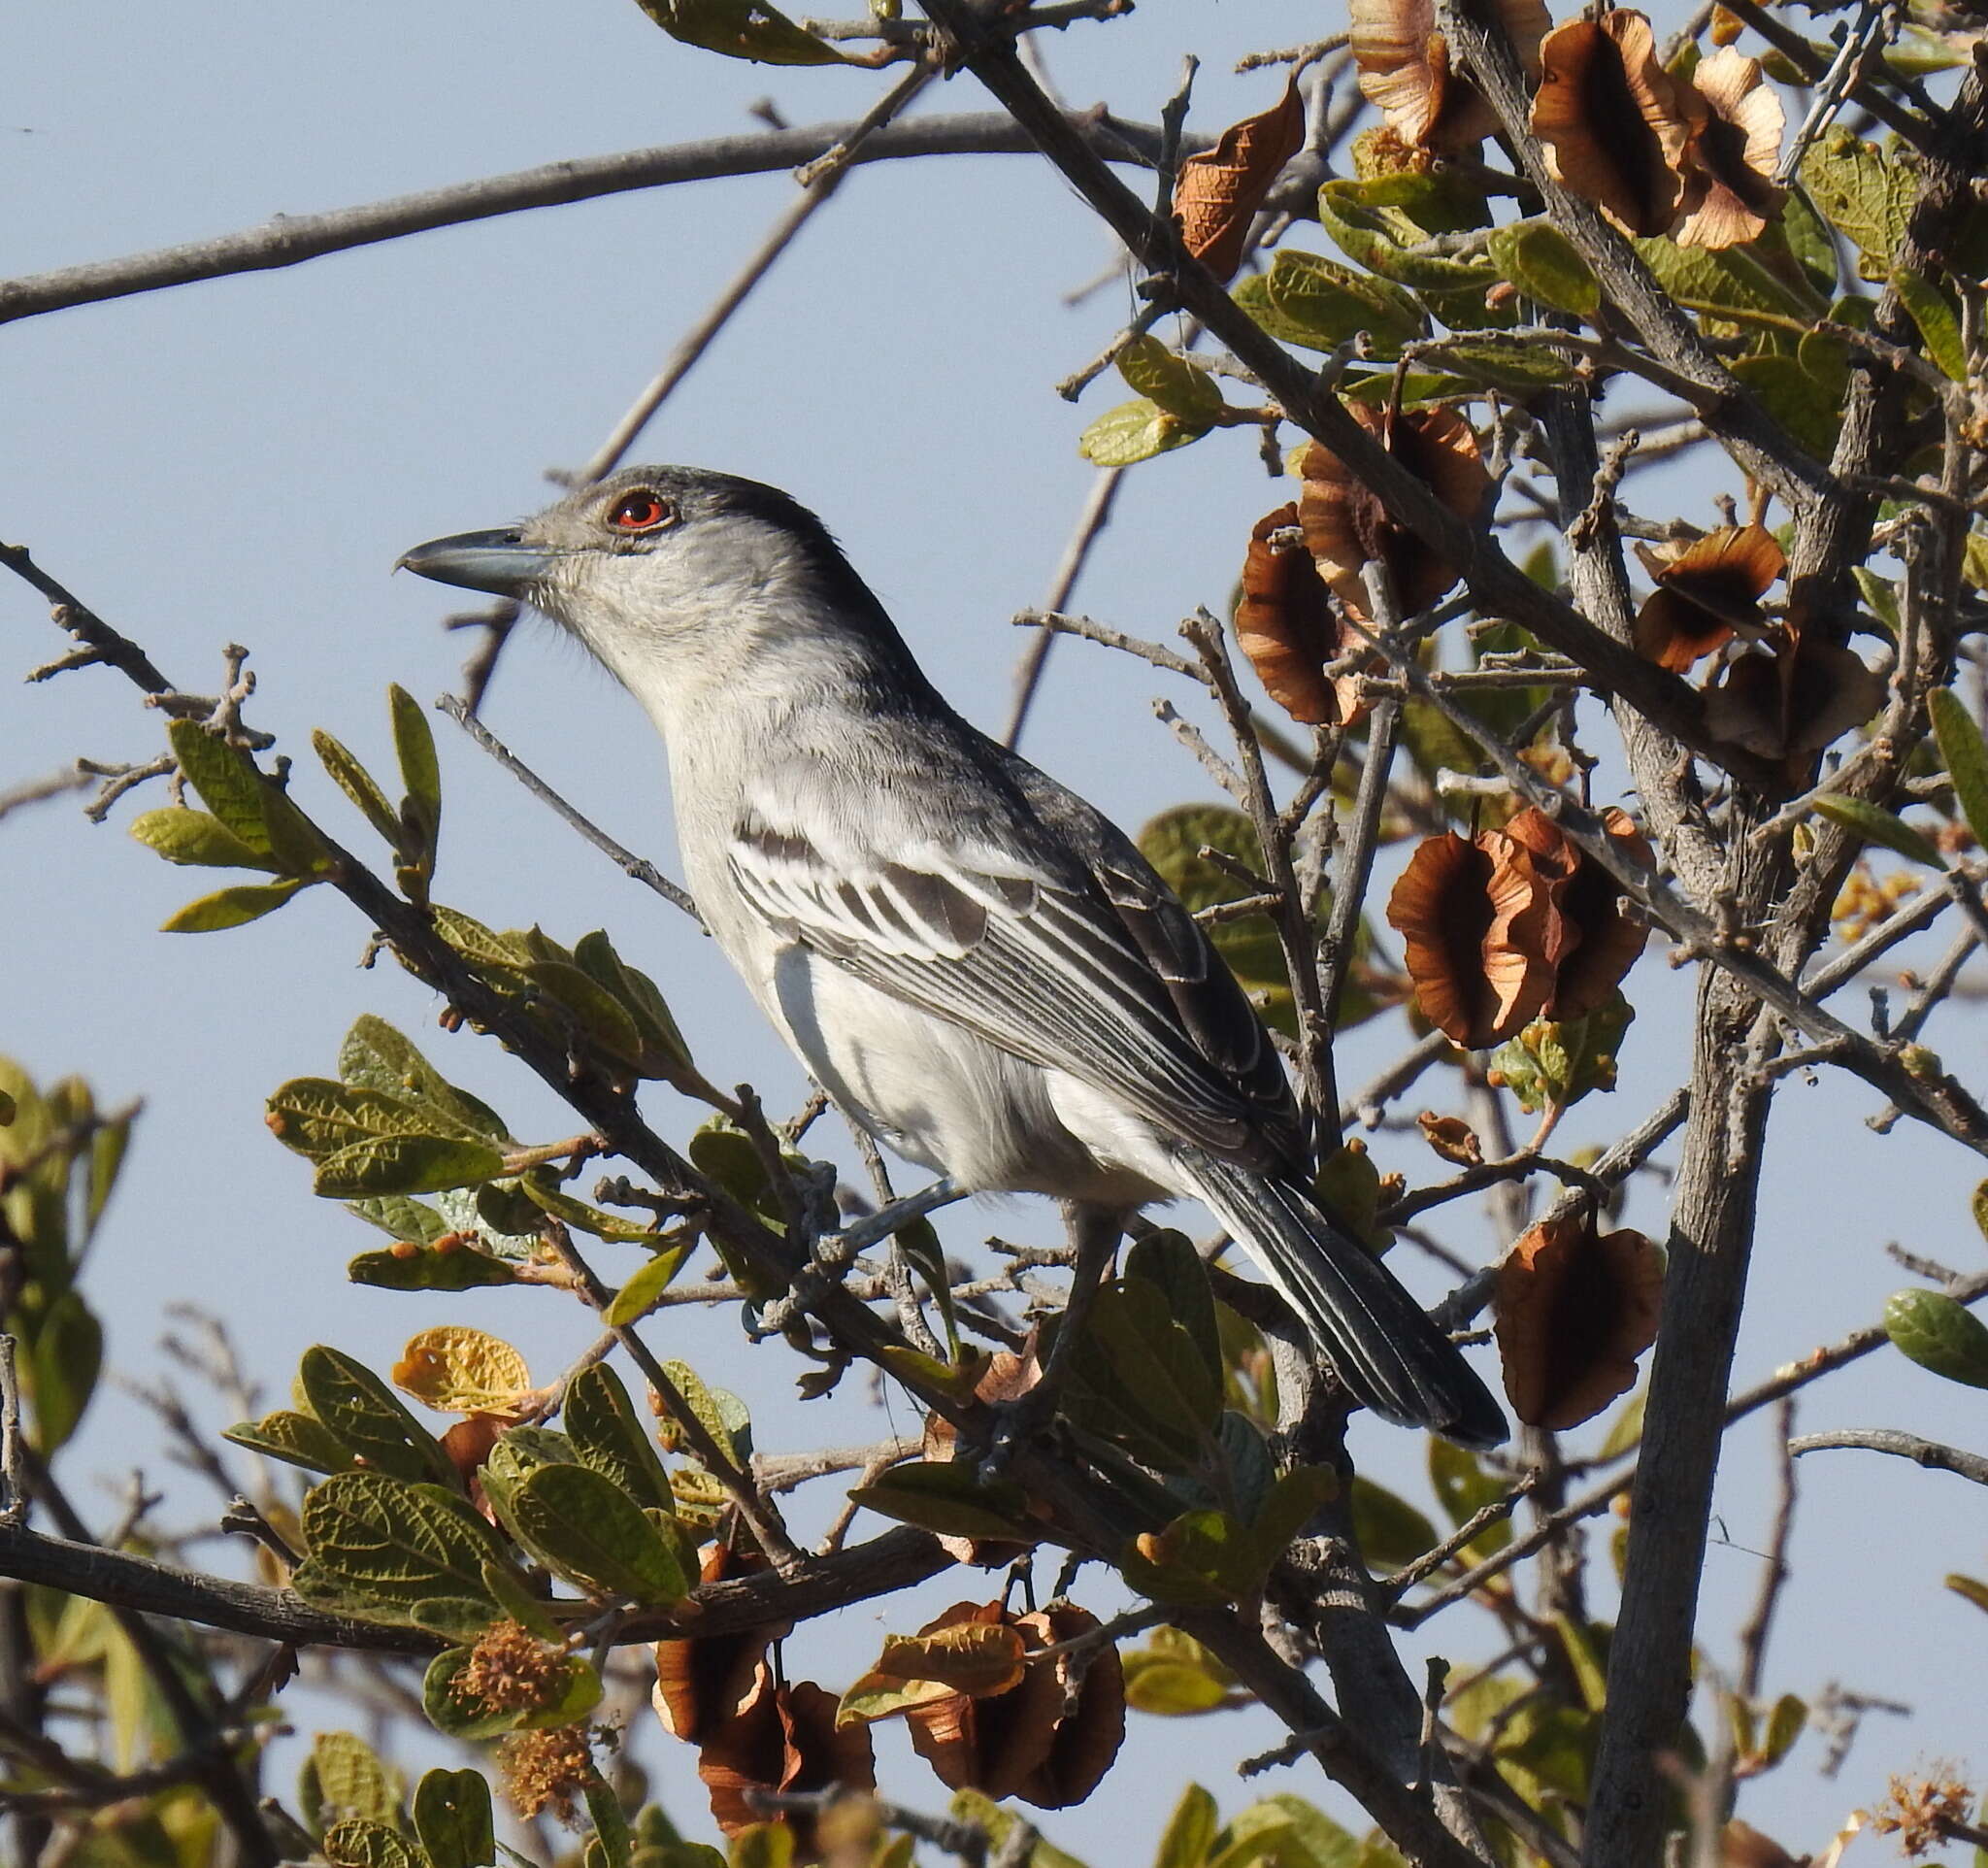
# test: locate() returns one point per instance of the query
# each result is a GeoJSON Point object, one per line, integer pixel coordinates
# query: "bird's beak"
{"type": "Point", "coordinates": [500, 562]}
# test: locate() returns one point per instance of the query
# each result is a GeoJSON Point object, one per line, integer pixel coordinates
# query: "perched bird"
{"type": "Point", "coordinates": [966, 957]}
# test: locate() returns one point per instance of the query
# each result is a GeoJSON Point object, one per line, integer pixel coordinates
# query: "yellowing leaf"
{"type": "Point", "coordinates": [454, 1369]}
{"type": "Point", "coordinates": [231, 907]}
{"type": "Point", "coordinates": [1136, 431]}
{"type": "Point", "coordinates": [740, 29]}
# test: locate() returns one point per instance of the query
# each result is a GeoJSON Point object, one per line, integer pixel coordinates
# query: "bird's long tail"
{"type": "Point", "coordinates": [1377, 1337]}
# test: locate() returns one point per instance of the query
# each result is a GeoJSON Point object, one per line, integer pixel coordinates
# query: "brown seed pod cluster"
{"type": "Point", "coordinates": [1513, 924]}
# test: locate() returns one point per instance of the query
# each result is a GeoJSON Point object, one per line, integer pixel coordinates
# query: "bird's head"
{"type": "Point", "coordinates": [675, 578]}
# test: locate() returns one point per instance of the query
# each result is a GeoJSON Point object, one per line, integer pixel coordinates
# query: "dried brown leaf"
{"type": "Point", "coordinates": [1452, 1138]}
{"type": "Point", "coordinates": [1218, 191]}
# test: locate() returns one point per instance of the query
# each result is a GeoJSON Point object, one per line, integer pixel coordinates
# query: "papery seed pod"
{"type": "Point", "coordinates": [1706, 591]}
{"type": "Point", "coordinates": [1286, 627]}
{"type": "Point", "coordinates": [705, 1681]}
{"type": "Point", "coordinates": [1347, 527]}
{"type": "Point", "coordinates": [1730, 194]}
{"type": "Point", "coordinates": [1478, 921]}
{"type": "Point", "coordinates": [1599, 940]}
{"type": "Point", "coordinates": [1406, 73]}
{"type": "Point", "coordinates": [782, 1738]}
{"type": "Point", "coordinates": [1575, 1308]}
{"type": "Point", "coordinates": [1614, 123]}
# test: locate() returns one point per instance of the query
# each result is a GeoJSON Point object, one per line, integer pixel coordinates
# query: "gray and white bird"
{"type": "Point", "coordinates": [975, 963]}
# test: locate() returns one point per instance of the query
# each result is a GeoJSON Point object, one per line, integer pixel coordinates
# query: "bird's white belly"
{"type": "Point", "coordinates": [939, 1095]}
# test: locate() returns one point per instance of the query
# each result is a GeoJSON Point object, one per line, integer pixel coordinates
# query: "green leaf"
{"type": "Point", "coordinates": [761, 1844]}
{"type": "Point", "coordinates": [1546, 265]}
{"type": "Point", "coordinates": [1289, 1508]}
{"type": "Point", "coordinates": [1167, 1260]}
{"type": "Point", "coordinates": [1520, 364]}
{"type": "Point", "coordinates": [590, 1007]}
{"type": "Point", "coordinates": [423, 1268]}
{"type": "Point", "coordinates": [972, 1806]}
{"type": "Point", "coordinates": [952, 1499]}
{"type": "Point", "coordinates": [387, 1545]}
{"type": "Point", "coordinates": [454, 1819]}
{"type": "Point", "coordinates": [1940, 326]}
{"type": "Point", "coordinates": [1373, 238]}
{"type": "Point", "coordinates": [1728, 285]}
{"type": "Point", "coordinates": [1557, 1061]}
{"type": "Point", "coordinates": [193, 837]}
{"type": "Point", "coordinates": [919, 1242]}
{"type": "Point", "coordinates": [581, 1525]}
{"type": "Point", "coordinates": [1391, 1532]}
{"type": "Point", "coordinates": [1177, 385]}
{"type": "Point", "coordinates": [1874, 825]}
{"type": "Point", "coordinates": [740, 29]}
{"type": "Point", "coordinates": [1201, 1559]}
{"type": "Point", "coordinates": [1808, 408]}
{"type": "Point", "coordinates": [226, 779]}
{"type": "Point", "coordinates": [352, 1781]}
{"type": "Point", "coordinates": [475, 942]}
{"type": "Point", "coordinates": [233, 907]}
{"type": "Point", "coordinates": [367, 1418]}
{"type": "Point", "coordinates": [1961, 746]}
{"type": "Point", "coordinates": [63, 1361]}
{"type": "Point", "coordinates": [1938, 1334]}
{"type": "Point", "coordinates": [1172, 843]}
{"type": "Point", "coordinates": [638, 1296]}
{"type": "Point", "coordinates": [1785, 1723]}
{"type": "Point", "coordinates": [662, 1051]}
{"type": "Point", "coordinates": [545, 1193]}
{"type": "Point", "coordinates": [414, 744]}
{"type": "Point", "coordinates": [1190, 1831]}
{"type": "Point", "coordinates": [1137, 1358]}
{"type": "Point", "coordinates": [375, 1056]}
{"type": "Point", "coordinates": [1866, 195]}
{"type": "Point", "coordinates": [611, 1435]}
{"type": "Point", "coordinates": [318, 1116]}
{"type": "Point", "coordinates": [401, 1219]}
{"type": "Point", "coordinates": [296, 1439]}
{"type": "Point", "coordinates": [722, 1413]}
{"type": "Point", "coordinates": [359, 1844]}
{"type": "Point", "coordinates": [1136, 431]}
{"type": "Point", "coordinates": [358, 785]}
{"type": "Point", "coordinates": [405, 1164]}
{"type": "Point", "coordinates": [1329, 303]}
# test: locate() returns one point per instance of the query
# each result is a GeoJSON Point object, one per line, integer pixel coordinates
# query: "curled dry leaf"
{"type": "Point", "coordinates": [1729, 192]}
{"type": "Point", "coordinates": [1286, 624]}
{"type": "Point", "coordinates": [468, 1444]}
{"type": "Point", "coordinates": [707, 1681]}
{"type": "Point", "coordinates": [1405, 71]}
{"type": "Point", "coordinates": [1478, 922]}
{"type": "Point", "coordinates": [1598, 940]}
{"type": "Point", "coordinates": [1347, 527]}
{"type": "Point", "coordinates": [1615, 124]}
{"type": "Point", "coordinates": [1706, 591]}
{"type": "Point", "coordinates": [1219, 190]}
{"type": "Point", "coordinates": [782, 1738]}
{"type": "Point", "coordinates": [1050, 1737]}
{"type": "Point", "coordinates": [1452, 1138]}
{"type": "Point", "coordinates": [1575, 1308]}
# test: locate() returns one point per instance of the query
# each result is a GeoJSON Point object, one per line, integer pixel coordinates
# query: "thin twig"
{"type": "Point", "coordinates": [1930, 1454]}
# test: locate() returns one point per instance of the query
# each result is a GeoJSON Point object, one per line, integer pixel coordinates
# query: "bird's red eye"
{"type": "Point", "coordinates": [641, 511]}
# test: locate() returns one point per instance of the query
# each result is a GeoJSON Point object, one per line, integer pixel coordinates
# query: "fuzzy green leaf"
{"type": "Point", "coordinates": [1875, 824]}
{"type": "Point", "coordinates": [390, 1545]}
{"type": "Point", "coordinates": [233, 907]}
{"type": "Point", "coordinates": [1938, 1334]}
{"type": "Point", "coordinates": [1864, 194]}
{"type": "Point", "coordinates": [358, 785]}
{"type": "Point", "coordinates": [1939, 325]}
{"type": "Point", "coordinates": [375, 1056]}
{"type": "Point", "coordinates": [226, 779]}
{"type": "Point", "coordinates": [1546, 266]}
{"type": "Point", "coordinates": [296, 1439]}
{"type": "Point", "coordinates": [194, 837]}
{"type": "Point", "coordinates": [1966, 758]}
{"type": "Point", "coordinates": [611, 1435]}
{"type": "Point", "coordinates": [366, 1418]}
{"type": "Point", "coordinates": [638, 1296]}
{"type": "Point", "coordinates": [582, 1525]}
{"type": "Point", "coordinates": [425, 1269]}
{"type": "Point", "coordinates": [1182, 387]}
{"type": "Point", "coordinates": [454, 1819]}
{"type": "Point", "coordinates": [405, 1164]}
{"type": "Point", "coordinates": [952, 1499]}
{"type": "Point", "coordinates": [1136, 431]}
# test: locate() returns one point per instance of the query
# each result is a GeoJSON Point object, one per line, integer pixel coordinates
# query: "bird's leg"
{"type": "Point", "coordinates": [1095, 1232]}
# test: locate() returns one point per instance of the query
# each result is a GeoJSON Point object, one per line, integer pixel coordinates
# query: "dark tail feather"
{"type": "Point", "coordinates": [1377, 1337]}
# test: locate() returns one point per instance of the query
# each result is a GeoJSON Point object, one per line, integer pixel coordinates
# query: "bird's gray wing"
{"type": "Point", "coordinates": [1035, 956]}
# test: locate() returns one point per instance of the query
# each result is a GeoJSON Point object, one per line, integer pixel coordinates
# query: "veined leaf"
{"type": "Point", "coordinates": [1966, 758]}
{"type": "Point", "coordinates": [366, 1418]}
{"type": "Point", "coordinates": [612, 1437]}
{"type": "Point", "coordinates": [391, 1544]}
{"type": "Point", "coordinates": [1874, 825]}
{"type": "Point", "coordinates": [454, 1819]}
{"type": "Point", "coordinates": [1136, 431]}
{"type": "Point", "coordinates": [1182, 387]}
{"type": "Point", "coordinates": [1938, 1334]}
{"type": "Point", "coordinates": [582, 1525]}
{"type": "Point", "coordinates": [233, 907]}
{"type": "Point", "coordinates": [405, 1164]}
{"type": "Point", "coordinates": [194, 837]}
